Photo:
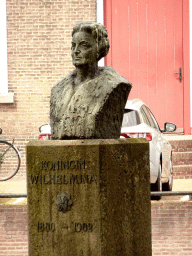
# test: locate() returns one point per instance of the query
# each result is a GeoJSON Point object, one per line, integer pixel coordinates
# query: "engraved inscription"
{"type": "Point", "coordinates": [83, 227]}
{"type": "Point", "coordinates": [48, 179]}
{"type": "Point", "coordinates": [66, 227]}
{"type": "Point", "coordinates": [62, 165]}
{"type": "Point", "coordinates": [79, 179]}
{"type": "Point", "coordinates": [56, 178]}
{"type": "Point", "coordinates": [42, 226]}
{"type": "Point", "coordinates": [62, 179]}
{"type": "Point", "coordinates": [78, 227]}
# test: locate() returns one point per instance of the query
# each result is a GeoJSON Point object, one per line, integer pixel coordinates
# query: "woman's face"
{"type": "Point", "coordinates": [83, 49]}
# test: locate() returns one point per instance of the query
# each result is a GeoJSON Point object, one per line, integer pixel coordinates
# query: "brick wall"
{"type": "Point", "coordinates": [171, 229]}
{"type": "Point", "coordinates": [182, 158]}
{"type": "Point", "coordinates": [39, 40]}
{"type": "Point", "coordinates": [13, 230]}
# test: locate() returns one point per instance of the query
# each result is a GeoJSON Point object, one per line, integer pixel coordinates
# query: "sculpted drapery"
{"type": "Point", "coordinates": [93, 110]}
{"type": "Point", "coordinates": [89, 102]}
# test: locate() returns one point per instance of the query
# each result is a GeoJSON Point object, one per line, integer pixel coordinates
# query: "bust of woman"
{"type": "Point", "coordinates": [89, 102]}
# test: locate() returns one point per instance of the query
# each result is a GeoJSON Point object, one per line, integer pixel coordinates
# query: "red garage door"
{"type": "Point", "coordinates": [146, 48]}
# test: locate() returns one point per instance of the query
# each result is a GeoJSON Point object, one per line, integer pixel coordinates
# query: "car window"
{"type": "Point", "coordinates": [144, 115]}
{"type": "Point", "coordinates": [150, 117]}
{"type": "Point", "coordinates": [130, 118]}
{"type": "Point", "coordinates": [156, 125]}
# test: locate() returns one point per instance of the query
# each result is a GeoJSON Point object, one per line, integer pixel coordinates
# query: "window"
{"type": "Point", "coordinates": [3, 48]}
{"type": "Point", "coordinates": [148, 116]}
{"type": "Point", "coordinates": [5, 97]}
{"type": "Point", "coordinates": [130, 118]}
{"type": "Point", "coordinates": [155, 124]}
{"type": "Point", "coordinates": [100, 19]}
{"type": "Point", "coordinates": [145, 118]}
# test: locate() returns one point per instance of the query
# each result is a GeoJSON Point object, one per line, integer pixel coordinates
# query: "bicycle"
{"type": "Point", "coordinates": [10, 159]}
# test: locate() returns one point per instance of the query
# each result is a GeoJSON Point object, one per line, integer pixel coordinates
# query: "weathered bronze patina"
{"type": "Point", "coordinates": [89, 102]}
{"type": "Point", "coordinates": [64, 202]}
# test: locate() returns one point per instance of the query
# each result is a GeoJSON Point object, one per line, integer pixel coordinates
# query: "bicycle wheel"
{"type": "Point", "coordinates": [9, 160]}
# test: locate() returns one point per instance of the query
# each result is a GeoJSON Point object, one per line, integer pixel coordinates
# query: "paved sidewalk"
{"type": "Point", "coordinates": [182, 185]}
{"type": "Point", "coordinates": [20, 186]}
{"type": "Point", "coordinates": [177, 137]}
{"type": "Point", "coordinates": [10, 187]}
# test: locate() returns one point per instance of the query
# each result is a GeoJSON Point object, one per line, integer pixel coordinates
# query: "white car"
{"type": "Point", "coordinates": [138, 121]}
{"type": "Point", "coordinates": [45, 132]}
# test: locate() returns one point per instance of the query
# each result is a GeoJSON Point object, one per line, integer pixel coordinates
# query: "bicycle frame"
{"type": "Point", "coordinates": [8, 151]}
{"type": "Point", "coordinates": [1, 157]}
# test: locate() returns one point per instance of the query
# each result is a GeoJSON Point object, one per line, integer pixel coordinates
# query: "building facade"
{"type": "Point", "coordinates": [38, 47]}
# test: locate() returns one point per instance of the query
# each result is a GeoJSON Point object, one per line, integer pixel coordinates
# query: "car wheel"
{"type": "Point", "coordinates": [158, 184]}
{"type": "Point", "coordinates": [169, 185]}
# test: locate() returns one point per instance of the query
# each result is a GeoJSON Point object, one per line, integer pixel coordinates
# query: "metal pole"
{"type": "Point", "coordinates": [13, 195]}
{"type": "Point", "coordinates": [156, 193]}
{"type": "Point", "coordinates": [171, 193]}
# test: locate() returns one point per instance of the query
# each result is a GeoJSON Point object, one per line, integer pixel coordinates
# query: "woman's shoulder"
{"type": "Point", "coordinates": [68, 79]}
{"type": "Point", "coordinates": [109, 74]}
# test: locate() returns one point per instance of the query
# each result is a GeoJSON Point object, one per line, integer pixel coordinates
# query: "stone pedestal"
{"type": "Point", "coordinates": [89, 198]}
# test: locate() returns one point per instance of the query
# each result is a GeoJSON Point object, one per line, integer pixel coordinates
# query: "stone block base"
{"type": "Point", "coordinates": [89, 198]}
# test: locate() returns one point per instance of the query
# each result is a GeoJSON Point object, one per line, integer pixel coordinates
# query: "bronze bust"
{"type": "Point", "coordinates": [89, 102]}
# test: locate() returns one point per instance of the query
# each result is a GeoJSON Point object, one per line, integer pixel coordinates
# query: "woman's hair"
{"type": "Point", "coordinates": [99, 32]}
